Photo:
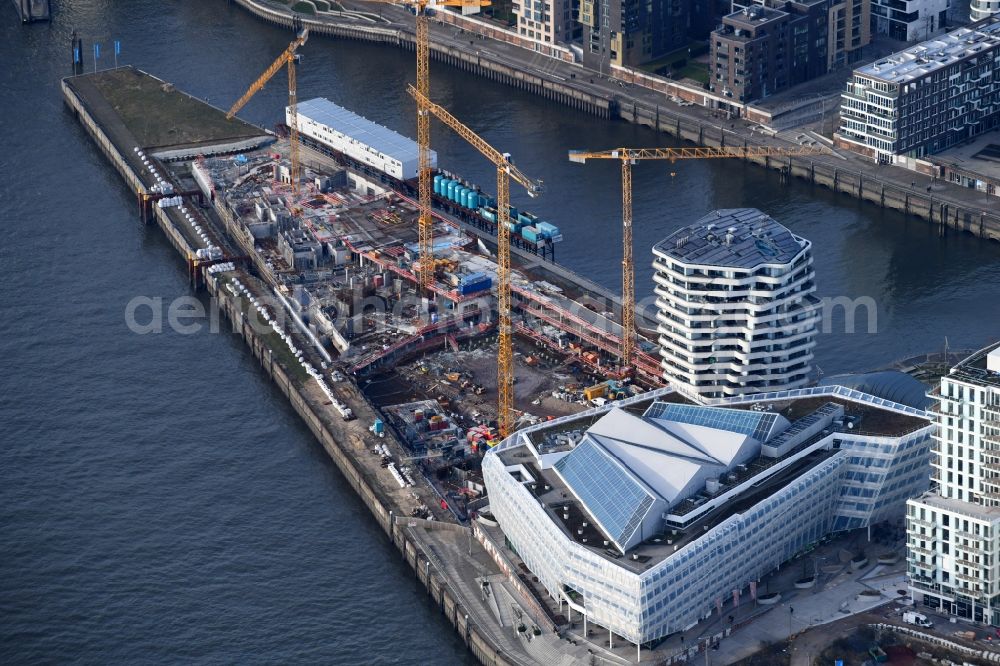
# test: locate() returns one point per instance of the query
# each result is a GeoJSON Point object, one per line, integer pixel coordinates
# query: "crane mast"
{"type": "Point", "coordinates": [505, 172]}
{"type": "Point", "coordinates": [628, 157]}
{"type": "Point", "coordinates": [287, 58]}
{"type": "Point", "coordinates": [425, 224]}
{"type": "Point", "coordinates": [425, 228]}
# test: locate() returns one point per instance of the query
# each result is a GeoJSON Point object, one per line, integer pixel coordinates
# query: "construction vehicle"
{"type": "Point", "coordinates": [287, 58]}
{"type": "Point", "coordinates": [616, 391]}
{"type": "Point", "coordinates": [628, 157]}
{"type": "Point", "coordinates": [918, 619]}
{"type": "Point", "coordinates": [505, 172]}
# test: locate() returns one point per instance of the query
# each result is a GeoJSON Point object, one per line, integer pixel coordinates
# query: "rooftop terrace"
{"type": "Point", "coordinates": [927, 57]}
{"type": "Point", "coordinates": [753, 17]}
{"type": "Point", "coordinates": [735, 237]}
{"type": "Point", "coordinates": [975, 368]}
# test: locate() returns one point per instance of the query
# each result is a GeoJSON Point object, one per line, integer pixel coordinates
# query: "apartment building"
{"type": "Point", "coordinates": [850, 31]}
{"type": "Point", "coordinates": [953, 531]}
{"type": "Point", "coordinates": [547, 21]}
{"type": "Point", "coordinates": [926, 98]}
{"type": "Point", "coordinates": [983, 9]}
{"type": "Point", "coordinates": [909, 20]}
{"type": "Point", "coordinates": [630, 32]}
{"type": "Point", "coordinates": [764, 48]}
{"type": "Point", "coordinates": [736, 307]}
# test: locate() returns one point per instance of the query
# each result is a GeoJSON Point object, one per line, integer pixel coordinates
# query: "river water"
{"type": "Point", "coordinates": [159, 501]}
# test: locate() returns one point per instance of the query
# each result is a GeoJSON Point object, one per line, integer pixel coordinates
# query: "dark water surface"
{"type": "Point", "coordinates": [159, 501]}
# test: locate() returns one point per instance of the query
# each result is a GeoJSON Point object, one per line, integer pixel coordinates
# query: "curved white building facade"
{"type": "Point", "coordinates": [650, 515]}
{"type": "Point", "coordinates": [982, 9]}
{"type": "Point", "coordinates": [736, 306]}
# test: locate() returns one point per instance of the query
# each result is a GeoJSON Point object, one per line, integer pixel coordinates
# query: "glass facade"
{"type": "Point", "coordinates": [856, 480]}
{"type": "Point", "coordinates": [755, 424]}
{"type": "Point", "coordinates": [614, 497]}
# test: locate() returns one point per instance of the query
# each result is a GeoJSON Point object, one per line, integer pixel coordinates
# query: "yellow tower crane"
{"type": "Point", "coordinates": [505, 172]}
{"type": "Point", "coordinates": [426, 221]}
{"type": "Point", "coordinates": [286, 58]}
{"type": "Point", "coordinates": [628, 157]}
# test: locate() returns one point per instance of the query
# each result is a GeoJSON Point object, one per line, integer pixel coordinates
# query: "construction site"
{"type": "Point", "coordinates": [399, 274]}
{"type": "Point", "coordinates": [343, 252]}
{"type": "Point", "coordinates": [413, 319]}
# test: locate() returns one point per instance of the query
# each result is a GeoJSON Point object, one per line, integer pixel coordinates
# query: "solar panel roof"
{"type": "Point", "coordinates": [382, 139]}
{"type": "Point", "coordinates": [753, 424]}
{"type": "Point", "coordinates": [612, 495]}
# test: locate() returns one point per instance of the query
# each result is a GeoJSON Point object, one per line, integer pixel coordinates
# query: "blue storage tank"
{"type": "Point", "coordinates": [437, 183]}
{"type": "Point", "coordinates": [449, 191]}
{"type": "Point", "coordinates": [467, 197]}
{"type": "Point", "coordinates": [457, 194]}
{"type": "Point", "coordinates": [472, 201]}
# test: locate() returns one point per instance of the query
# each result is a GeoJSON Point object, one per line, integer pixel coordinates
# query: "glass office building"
{"type": "Point", "coordinates": [649, 515]}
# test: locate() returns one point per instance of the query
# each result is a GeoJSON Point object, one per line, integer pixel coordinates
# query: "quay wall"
{"type": "Point", "coordinates": [477, 63]}
{"type": "Point", "coordinates": [326, 431]}
{"type": "Point", "coordinates": [823, 171]}
{"type": "Point", "coordinates": [124, 167]}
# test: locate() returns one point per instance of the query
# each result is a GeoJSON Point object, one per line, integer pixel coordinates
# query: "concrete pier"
{"type": "Point", "coordinates": [342, 440]}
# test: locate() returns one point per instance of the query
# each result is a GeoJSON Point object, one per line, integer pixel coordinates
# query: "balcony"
{"type": "Point", "coordinates": [972, 550]}
{"type": "Point", "coordinates": [920, 521]}
{"type": "Point", "coordinates": [969, 535]}
{"type": "Point", "coordinates": [921, 551]}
